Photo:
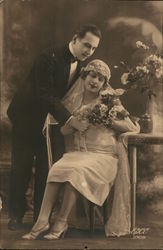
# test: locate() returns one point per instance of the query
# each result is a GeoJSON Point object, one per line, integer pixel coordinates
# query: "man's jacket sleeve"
{"type": "Point", "coordinates": [44, 71]}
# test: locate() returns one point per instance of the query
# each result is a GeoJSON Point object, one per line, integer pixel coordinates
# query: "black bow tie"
{"type": "Point", "coordinates": [70, 57]}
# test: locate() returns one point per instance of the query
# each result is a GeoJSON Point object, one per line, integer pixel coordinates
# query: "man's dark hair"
{"type": "Point", "coordinates": [82, 30]}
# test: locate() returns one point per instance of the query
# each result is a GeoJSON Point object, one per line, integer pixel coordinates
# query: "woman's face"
{"type": "Point", "coordinates": [94, 81]}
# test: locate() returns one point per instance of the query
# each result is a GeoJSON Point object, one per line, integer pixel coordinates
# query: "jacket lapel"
{"type": "Point", "coordinates": [65, 64]}
{"type": "Point", "coordinates": [77, 73]}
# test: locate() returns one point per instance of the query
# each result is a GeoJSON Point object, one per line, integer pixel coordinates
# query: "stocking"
{"type": "Point", "coordinates": [69, 199]}
{"type": "Point", "coordinates": [50, 196]}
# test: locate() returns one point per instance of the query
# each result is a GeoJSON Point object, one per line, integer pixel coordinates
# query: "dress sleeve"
{"type": "Point", "coordinates": [125, 125]}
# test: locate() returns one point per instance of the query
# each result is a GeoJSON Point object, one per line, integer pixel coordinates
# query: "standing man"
{"type": "Point", "coordinates": [52, 74]}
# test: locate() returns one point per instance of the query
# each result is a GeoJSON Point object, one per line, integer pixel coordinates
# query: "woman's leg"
{"type": "Point", "coordinates": [50, 196]}
{"type": "Point", "coordinates": [69, 199]}
{"type": "Point", "coordinates": [60, 226]}
{"type": "Point", "coordinates": [42, 223]}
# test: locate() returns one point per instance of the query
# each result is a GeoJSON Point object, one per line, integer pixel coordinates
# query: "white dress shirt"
{"type": "Point", "coordinates": [73, 65]}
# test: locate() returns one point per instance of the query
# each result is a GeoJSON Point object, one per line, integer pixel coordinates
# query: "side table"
{"type": "Point", "coordinates": [133, 142]}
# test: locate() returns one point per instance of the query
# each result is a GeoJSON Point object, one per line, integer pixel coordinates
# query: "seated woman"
{"type": "Point", "coordinates": [91, 163]}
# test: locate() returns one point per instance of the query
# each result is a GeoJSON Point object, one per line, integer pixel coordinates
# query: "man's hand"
{"type": "Point", "coordinates": [66, 130]}
{"type": "Point", "coordinates": [78, 125]}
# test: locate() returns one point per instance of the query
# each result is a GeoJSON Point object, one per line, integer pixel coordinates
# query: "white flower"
{"type": "Point", "coordinates": [159, 73]}
{"type": "Point", "coordinates": [138, 68]}
{"type": "Point", "coordinates": [124, 78]}
{"type": "Point", "coordinates": [139, 44]}
{"type": "Point", "coordinates": [119, 92]}
{"type": "Point", "coordinates": [118, 108]}
{"type": "Point", "coordinates": [108, 91]}
{"type": "Point", "coordinates": [145, 69]}
{"type": "Point", "coordinates": [116, 101]}
{"type": "Point", "coordinates": [153, 58]}
{"type": "Point", "coordinates": [114, 110]}
{"type": "Point", "coordinates": [103, 109]}
{"type": "Point", "coordinates": [142, 68]}
{"type": "Point", "coordinates": [113, 113]}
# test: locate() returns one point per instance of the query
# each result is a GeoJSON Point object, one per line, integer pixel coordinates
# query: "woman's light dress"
{"type": "Point", "coordinates": [90, 165]}
{"type": "Point", "coordinates": [94, 161]}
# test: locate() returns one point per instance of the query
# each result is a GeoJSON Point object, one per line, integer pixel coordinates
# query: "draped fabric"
{"type": "Point", "coordinates": [118, 222]}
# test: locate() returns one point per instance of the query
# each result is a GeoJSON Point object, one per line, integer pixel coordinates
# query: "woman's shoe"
{"type": "Point", "coordinates": [34, 234]}
{"type": "Point", "coordinates": [56, 234]}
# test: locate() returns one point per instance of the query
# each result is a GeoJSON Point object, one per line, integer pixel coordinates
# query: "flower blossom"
{"type": "Point", "coordinates": [142, 68]}
{"type": "Point", "coordinates": [116, 101]}
{"type": "Point", "coordinates": [124, 78]}
{"type": "Point", "coordinates": [154, 59]}
{"type": "Point", "coordinates": [139, 44]}
{"type": "Point", "coordinates": [159, 72]}
{"type": "Point", "coordinates": [146, 74]}
{"type": "Point", "coordinates": [118, 112]}
{"type": "Point", "coordinates": [103, 109]}
{"type": "Point", "coordinates": [114, 110]}
{"type": "Point", "coordinates": [108, 91]}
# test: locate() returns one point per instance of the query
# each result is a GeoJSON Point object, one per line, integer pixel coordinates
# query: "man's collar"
{"type": "Point", "coordinates": [71, 48]}
{"type": "Point", "coordinates": [74, 58]}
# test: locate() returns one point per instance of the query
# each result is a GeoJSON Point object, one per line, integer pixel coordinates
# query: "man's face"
{"type": "Point", "coordinates": [85, 47]}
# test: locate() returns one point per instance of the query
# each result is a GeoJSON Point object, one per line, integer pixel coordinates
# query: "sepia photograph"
{"type": "Point", "coordinates": [81, 124]}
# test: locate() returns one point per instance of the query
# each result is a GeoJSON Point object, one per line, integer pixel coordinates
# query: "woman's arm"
{"type": "Point", "coordinates": [125, 125]}
{"type": "Point", "coordinates": [68, 128]}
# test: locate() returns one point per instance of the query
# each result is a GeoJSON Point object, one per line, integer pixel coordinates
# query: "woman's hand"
{"type": "Point", "coordinates": [74, 125]}
{"type": "Point", "coordinates": [67, 130]}
{"type": "Point", "coordinates": [81, 126]}
{"type": "Point", "coordinates": [84, 126]}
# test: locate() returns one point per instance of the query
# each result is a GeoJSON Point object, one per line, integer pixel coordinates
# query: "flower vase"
{"type": "Point", "coordinates": [146, 121]}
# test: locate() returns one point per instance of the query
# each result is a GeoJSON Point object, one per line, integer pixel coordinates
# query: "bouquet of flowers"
{"type": "Point", "coordinates": [108, 108]}
{"type": "Point", "coordinates": [147, 73]}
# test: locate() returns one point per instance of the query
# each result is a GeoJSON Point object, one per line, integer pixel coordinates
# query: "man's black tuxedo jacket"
{"type": "Point", "coordinates": [42, 92]}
